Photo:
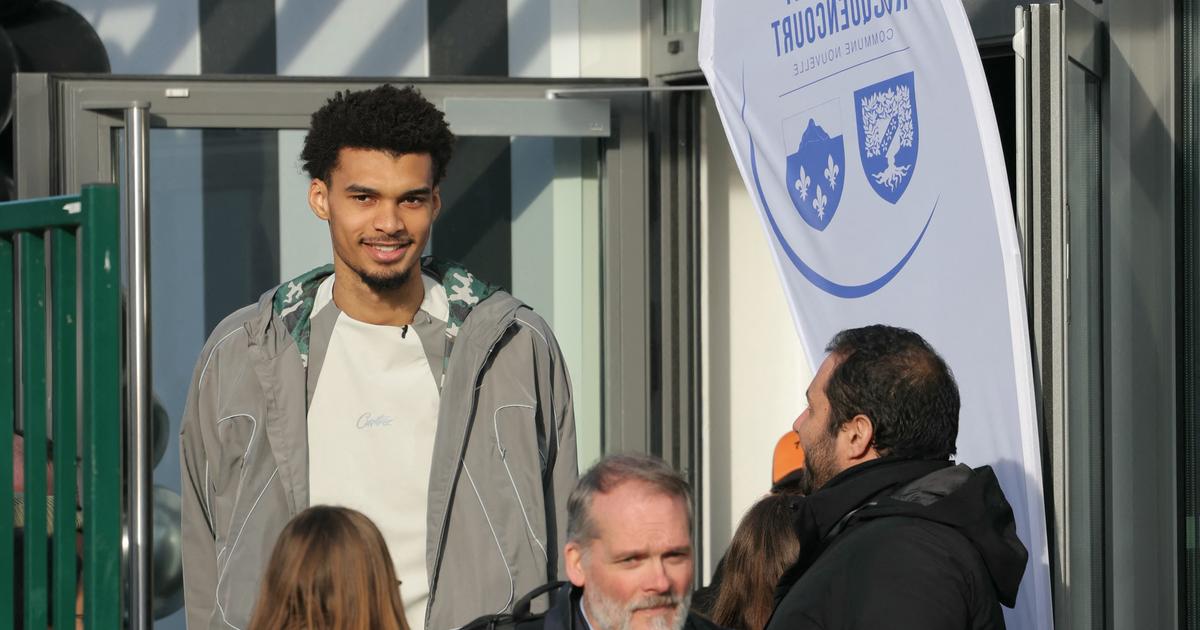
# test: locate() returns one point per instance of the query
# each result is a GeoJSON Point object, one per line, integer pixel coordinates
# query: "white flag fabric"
{"type": "Point", "coordinates": [865, 134]}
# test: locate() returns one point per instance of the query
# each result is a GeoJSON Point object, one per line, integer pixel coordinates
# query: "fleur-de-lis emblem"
{"type": "Point", "coordinates": [802, 184]}
{"type": "Point", "coordinates": [831, 173]}
{"type": "Point", "coordinates": [819, 203]}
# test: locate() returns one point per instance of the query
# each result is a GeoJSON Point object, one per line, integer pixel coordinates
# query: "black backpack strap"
{"type": "Point", "coordinates": [490, 622]}
{"type": "Point", "coordinates": [520, 610]}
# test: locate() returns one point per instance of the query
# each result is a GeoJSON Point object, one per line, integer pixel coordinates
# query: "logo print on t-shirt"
{"type": "Point", "coordinates": [370, 421]}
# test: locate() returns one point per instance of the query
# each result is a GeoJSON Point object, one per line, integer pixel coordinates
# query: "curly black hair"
{"type": "Point", "coordinates": [385, 118]}
{"type": "Point", "coordinates": [895, 378]}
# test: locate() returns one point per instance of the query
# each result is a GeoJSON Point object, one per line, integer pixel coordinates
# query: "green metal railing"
{"type": "Point", "coordinates": [60, 361]}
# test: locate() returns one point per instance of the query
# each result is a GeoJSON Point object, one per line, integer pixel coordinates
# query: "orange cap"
{"type": "Point", "coordinates": [789, 457]}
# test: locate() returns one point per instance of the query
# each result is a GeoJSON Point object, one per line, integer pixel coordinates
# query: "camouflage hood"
{"type": "Point", "coordinates": [293, 300]}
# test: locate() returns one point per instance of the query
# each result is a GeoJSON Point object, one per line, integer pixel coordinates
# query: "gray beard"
{"type": "Point", "coordinates": [607, 614]}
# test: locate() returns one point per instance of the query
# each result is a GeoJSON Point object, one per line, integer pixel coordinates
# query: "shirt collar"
{"type": "Point", "coordinates": [435, 303]}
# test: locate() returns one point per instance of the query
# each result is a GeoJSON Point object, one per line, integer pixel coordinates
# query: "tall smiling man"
{"type": "Point", "coordinates": [403, 387]}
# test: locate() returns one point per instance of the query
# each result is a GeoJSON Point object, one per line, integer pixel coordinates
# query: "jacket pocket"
{"type": "Point", "coordinates": [260, 516]}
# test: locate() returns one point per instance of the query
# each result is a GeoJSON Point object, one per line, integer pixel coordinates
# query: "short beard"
{"type": "Point", "coordinates": [384, 284]}
{"type": "Point", "coordinates": [821, 462]}
{"type": "Point", "coordinates": [608, 614]}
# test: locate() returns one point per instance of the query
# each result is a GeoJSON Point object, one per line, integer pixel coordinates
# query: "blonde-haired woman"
{"type": "Point", "coordinates": [330, 570]}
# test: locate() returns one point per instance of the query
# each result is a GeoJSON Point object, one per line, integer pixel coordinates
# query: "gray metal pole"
{"type": "Point", "coordinates": [137, 357]}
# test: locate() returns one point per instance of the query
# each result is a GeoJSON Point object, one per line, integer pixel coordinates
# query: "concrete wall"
{"type": "Point", "coordinates": [755, 370]}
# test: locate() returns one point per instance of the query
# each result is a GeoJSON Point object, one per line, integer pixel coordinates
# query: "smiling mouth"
{"type": "Point", "coordinates": [387, 246]}
{"type": "Point", "coordinates": [387, 252]}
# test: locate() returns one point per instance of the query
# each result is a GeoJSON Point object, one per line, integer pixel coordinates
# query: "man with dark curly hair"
{"type": "Point", "coordinates": [400, 386]}
{"type": "Point", "coordinates": [894, 534]}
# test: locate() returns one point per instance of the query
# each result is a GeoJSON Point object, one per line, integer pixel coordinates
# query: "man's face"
{"type": "Point", "coordinates": [380, 208]}
{"type": "Point", "coordinates": [637, 573]}
{"type": "Point", "coordinates": [820, 447]}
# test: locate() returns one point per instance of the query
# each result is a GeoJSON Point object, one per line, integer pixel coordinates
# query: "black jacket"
{"type": "Point", "coordinates": [903, 544]}
{"type": "Point", "coordinates": [564, 613]}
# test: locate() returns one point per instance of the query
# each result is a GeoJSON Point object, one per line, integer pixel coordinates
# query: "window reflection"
{"type": "Point", "coordinates": [681, 16]}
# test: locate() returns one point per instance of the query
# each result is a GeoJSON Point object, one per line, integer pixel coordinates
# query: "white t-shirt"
{"type": "Point", "coordinates": [371, 426]}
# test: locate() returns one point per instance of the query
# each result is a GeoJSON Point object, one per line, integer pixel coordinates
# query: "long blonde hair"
{"type": "Point", "coordinates": [330, 570]}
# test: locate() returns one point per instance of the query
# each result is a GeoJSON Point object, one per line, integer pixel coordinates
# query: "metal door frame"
{"type": "Point", "coordinates": [1050, 37]}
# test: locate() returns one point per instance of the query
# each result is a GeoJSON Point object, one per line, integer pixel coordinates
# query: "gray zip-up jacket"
{"type": "Point", "coordinates": [504, 456]}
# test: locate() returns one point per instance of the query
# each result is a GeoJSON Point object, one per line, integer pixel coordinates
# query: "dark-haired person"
{"type": "Point", "coordinates": [895, 535]}
{"type": "Point", "coordinates": [406, 389]}
{"type": "Point", "coordinates": [789, 481]}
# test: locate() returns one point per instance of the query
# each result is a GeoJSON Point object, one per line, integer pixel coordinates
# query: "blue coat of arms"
{"type": "Point", "coordinates": [887, 134]}
{"type": "Point", "coordinates": [816, 174]}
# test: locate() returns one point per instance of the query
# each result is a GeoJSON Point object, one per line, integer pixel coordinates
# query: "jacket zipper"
{"type": "Point", "coordinates": [462, 454]}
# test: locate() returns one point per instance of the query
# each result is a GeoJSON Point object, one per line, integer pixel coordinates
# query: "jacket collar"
{"type": "Point", "coordinates": [565, 613]}
{"type": "Point", "coordinates": [292, 302]}
{"type": "Point", "coordinates": [823, 510]}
